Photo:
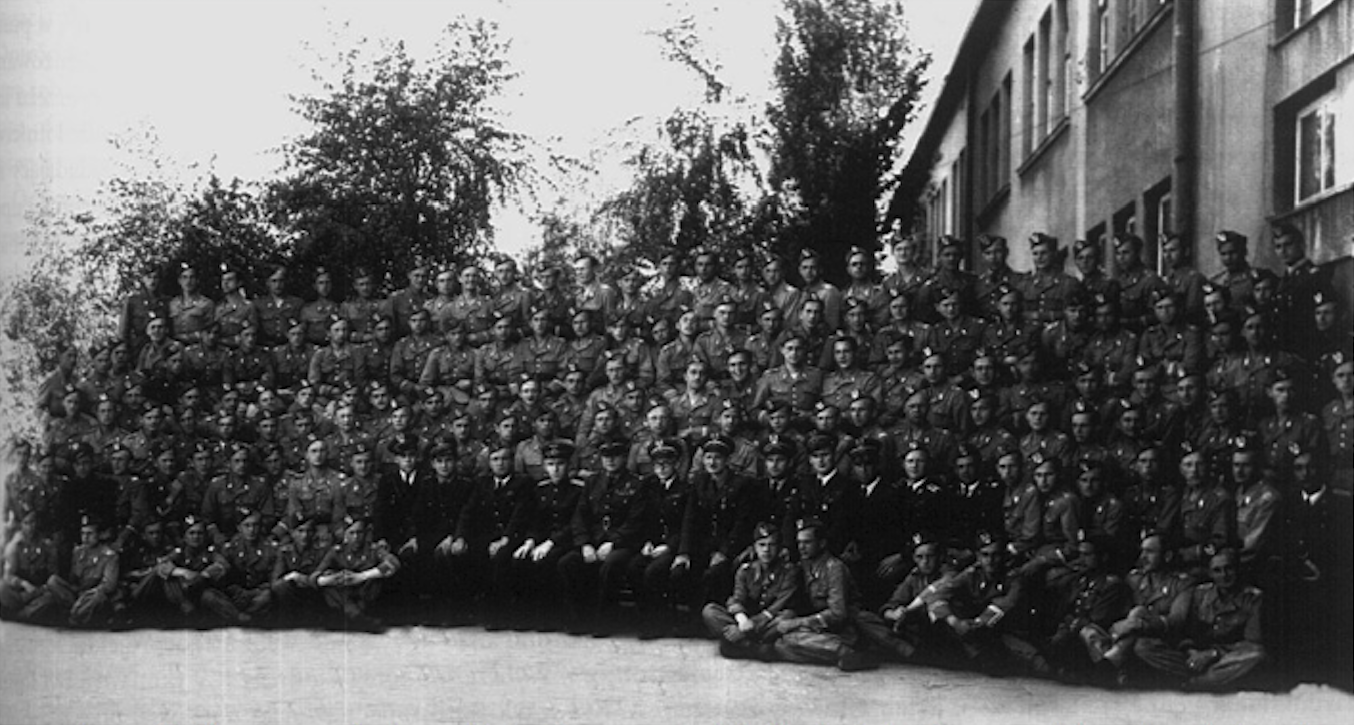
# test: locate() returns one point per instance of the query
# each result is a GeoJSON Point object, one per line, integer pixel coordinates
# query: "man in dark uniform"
{"type": "Point", "coordinates": [997, 275]}
{"type": "Point", "coordinates": [495, 519]}
{"type": "Point", "coordinates": [1299, 283]}
{"type": "Point", "coordinates": [763, 591]}
{"type": "Point", "coordinates": [549, 533]}
{"type": "Point", "coordinates": [608, 525]}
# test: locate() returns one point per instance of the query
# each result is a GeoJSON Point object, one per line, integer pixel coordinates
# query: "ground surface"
{"type": "Point", "coordinates": [455, 675]}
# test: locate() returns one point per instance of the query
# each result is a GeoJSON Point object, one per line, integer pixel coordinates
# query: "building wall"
{"type": "Point", "coordinates": [1116, 150]}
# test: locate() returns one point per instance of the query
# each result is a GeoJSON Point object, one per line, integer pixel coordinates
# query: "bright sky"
{"type": "Point", "coordinates": [212, 77]}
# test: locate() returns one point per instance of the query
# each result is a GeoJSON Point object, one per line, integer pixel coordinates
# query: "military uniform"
{"type": "Point", "coordinates": [800, 390]}
{"type": "Point", "coordinates": [763, 592]}
{"type": "Point", "coordinates": [1207, 521]}
{"type": "Point", "coordinates": [1208, 618]}
{"type": "Point", "coordinates": [275, 315]}
{"type": "Point", "coordinates": [541, 357]}
{"type": "Point", "coordinates": [317, 315]}
{"type": "Point", "coordinates": [827, 631]}
{"type": "Point", "coordinates": [1045, 295]}
{"type": "Point", "coordinates": [409, 360]}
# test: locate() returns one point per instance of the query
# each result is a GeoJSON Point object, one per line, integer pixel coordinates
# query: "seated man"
{"type": "Point", "coordinates": [826, 633]}
{"type": "Point", "coordinates": [902, 624]}
{"type": "Point", "coordinates": [987, 610]}
{"type": "Point", "coordinates": [87, 592]}
{"type": "Point", "coordinates": [350, 575]}
{"type": "Point", "coordinates": [763, 590]}
{"type": "Point", "coordinates": [1212, 635]}
{"type": "Point", "coordinates": [30, 560]}
{"type": "Point", "coordinates": [1155, 586]}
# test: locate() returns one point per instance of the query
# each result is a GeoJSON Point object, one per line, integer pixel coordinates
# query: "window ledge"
{"type": "Point", "coordinates": [994, 203]}
{"type": "Point", "coordinates": [1043, 147]}
{"type": "Point", "coordinates": [1121, 58]}
{"type": "Point", "coordinates": [1289, 34]}
{"type": "Point", "coordinates": [1313, 201]}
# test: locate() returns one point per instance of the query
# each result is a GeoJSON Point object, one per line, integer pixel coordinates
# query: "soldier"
{"type": "Point", "coordinates": [1257, 509]}
{"type": "Point", "coordinates": [1235, 276]}
{"type": "Point", "coordinates": [549, 534]}
{"type": "Point", "coordinates": [1151, 501]}
{"type": "Point", "coordinates": [1300, 282]}
{"type": "Point", "coordinates": [1213, 630]}
{"type": "Point", "coordinates": [1182, 279]}
{"type": "Point", "coordinates": [661, 581]}
{"type": "Point", "coordinates": [293, 583]}
{"type": "Point", "coordinates": [591, 293]}
{"type": "Point", "coordinates": [250, 564]}
{"type": "Point", "coordinates": [403, 303]}
{"type": "Point", "coordinates": [954, 334]}
{"type": "Point", "coordinates": [1088, 601]}
{"type": "Point", "coordinates": [494, 519]}
{"type": "Point", "coordinates": [319, 312]}
{"type": "Point", "coordinates": [362, 309]}
{"type": "Point", "coordinates": [949, 280]}
{"type": "Point", "coordinates": [1046, 290]}
{"type": "Point", "coordinates": [1337, 417]}
{"type": "Point", "coordinates": [1137, 283]}
{"type": "Point", "coordinates": [814, 287]}
{"type": "Point", "coordinates": [350, 575]}
{"type": "Point", "coordinates": [714, 346]}
{"type": "Point", "coordinates": [85, 595]}
{"type": "Point", "coordinates": [903, 625]}
{"type": "Point", "coordinates": [709, 289]}
{"type": "Point", "coordinates": [883, 525]}
{"type": "Point", "coordinates": [667, 293]}
{"type": "Point", "coordinates": [794, 382]}
{"type": "Point", "coordinates": [139, 307]}
{"type": "Point", "coordinates": [849, 379]}
{"type": "Point", "coordinates": [471, 308]}
{"type": "Point", "coordinates": [542, 352]}
{"type": "Point", "coordinates": [30, 560]}
{"type": "Point", "coordinates": [1172, 342]}
{"type": "Point", "coordinates": [1288, 425]}
{"type": "Point", "coordinates": [1207, 514]}
{"type": "Point", "coordinates": [873, 296]}
{"type": "Point", "coordinates": [190, 310]}
{"type": "Point", "coordinates": [409, 356]}
{"type": "Point", "coordinates": [910, 273]}
{"type": "Point", "coordinates": [608, 528]}
{"type": "Point", "coordinates": [725, 505]}
{"type": "Point", "coordinates": [1155, 585]}
{"type": "Point", "coordinates": [996, 276]}
{"type": "Point", "coordinates": [1089, 258]}
{"type": "Point", "coordinates": [764, 590]}
{"type": "Point", "coordinates": [986, 610]}
{"type": "Point", "coordinates": [825, 632]}
{"type": "Point", "coordinates": [275, 309]}
{"type": "Point", "coordinates": [238, 488]}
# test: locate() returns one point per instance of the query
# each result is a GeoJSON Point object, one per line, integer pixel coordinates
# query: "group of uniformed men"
{"type": "Point", "coordinates": [1098, 477]}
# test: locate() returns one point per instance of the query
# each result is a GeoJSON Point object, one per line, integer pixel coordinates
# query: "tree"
{"type": "Point", "coordinates": [697, 180]}
{"type": "Point", "coordinates": [406, 159]}
{"type": "Point", "coordinates": [847, 81]}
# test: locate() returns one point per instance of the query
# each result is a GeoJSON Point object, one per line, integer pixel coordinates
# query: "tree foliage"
{"type": "Point", "coordinates": [847, 81]}
{"type": "Point", "coordinates": [405, 158]}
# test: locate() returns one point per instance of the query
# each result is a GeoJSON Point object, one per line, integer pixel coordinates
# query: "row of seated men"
{"type": "Point", "coordinates": [565, 549]}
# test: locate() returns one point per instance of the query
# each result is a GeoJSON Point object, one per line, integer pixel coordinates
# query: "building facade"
{"type": "Point", "coordinates": [1084, 119]}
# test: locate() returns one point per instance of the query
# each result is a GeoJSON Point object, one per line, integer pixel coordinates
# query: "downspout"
{"type": "Point", "coordinates": [1185, 182]}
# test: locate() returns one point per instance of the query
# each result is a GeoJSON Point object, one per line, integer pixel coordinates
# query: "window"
{"type": "Point", "coordinates": [1096, 236]}
{"type": "Point", "coordinates": [994, 135]}
{"type": "Point", "coordinates": [1062, 84]}
{"type": "Point", "coordinates": [1028, 86]}
{"type": "Point", "coordinates": [1315, 164]}
{"type": "Point", "coordinates": [1103, 41]}
{"type": "Point", "coordinates": [1126, 220]}
{"type": "Point", "coordinates": [1004, 143]}
{"type": "Point", "coordinates": [1158, 221]}
{"type": "Point", "coordinates": [1042, 121]}
{"type": "Point", "coordinates": [1303, 10]}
